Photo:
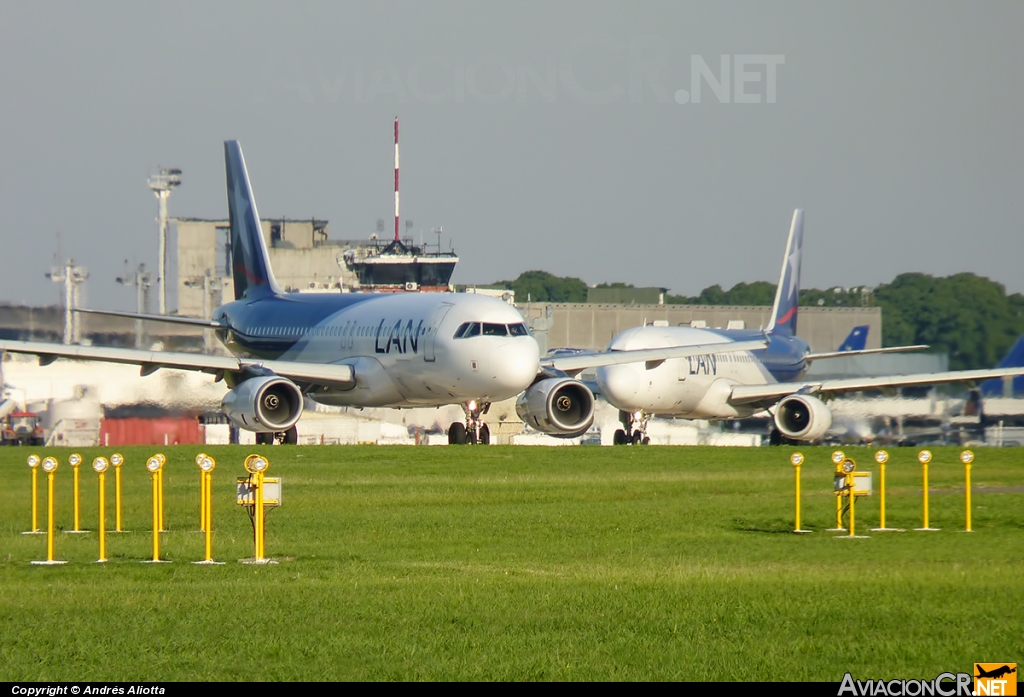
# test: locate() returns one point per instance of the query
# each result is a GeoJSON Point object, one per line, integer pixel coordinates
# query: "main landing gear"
{"type": "Point", "coordinates": [474, 430]}
{"type": "Point", "coordinates": [289, 437]}
{"type": "Point", "coordinates": [634, 428]}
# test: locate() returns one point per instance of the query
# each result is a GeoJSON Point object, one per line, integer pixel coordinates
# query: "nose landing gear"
{"type": "Point", "coordinates": [289, 437]}
{"type": "Point", "coordinates": [634, 430]}
{"type": "Point", "coordinates": [474, 430]}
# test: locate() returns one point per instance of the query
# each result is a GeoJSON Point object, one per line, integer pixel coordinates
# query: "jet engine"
{"type": "Point", "coordinates": [802, 417]}
{"type": "Point", "coordinates": [266, 404]}
{"type": "Point", "coordinates": [560, 407]}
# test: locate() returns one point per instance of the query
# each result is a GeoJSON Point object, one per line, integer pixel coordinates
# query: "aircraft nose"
{"type": "Point", "coordinates": [516, 364]}
{"type": "Point", "coordinates": [618, 384]}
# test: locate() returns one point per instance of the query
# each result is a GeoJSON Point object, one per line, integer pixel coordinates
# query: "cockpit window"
{"type": "Point", "coordinates": [517, 330]}
{"type": "Point", "coordinates": [470, 329]}
{"type": "Point", "coordinates": [495, 329]}
{"type": "Point", "coordinates": [467, 330]}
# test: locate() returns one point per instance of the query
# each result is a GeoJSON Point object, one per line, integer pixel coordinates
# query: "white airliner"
{"type": "Point", "coordinates": [369, 349]}
{"type": "Point", "coordinates": [725, 384]}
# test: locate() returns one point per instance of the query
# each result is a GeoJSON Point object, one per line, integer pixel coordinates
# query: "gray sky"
{"type": "Point", "coordinates": [541, 135]}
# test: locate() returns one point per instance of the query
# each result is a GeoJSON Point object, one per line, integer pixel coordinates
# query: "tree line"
{"type": "Point", "coordinates": [970, 317]}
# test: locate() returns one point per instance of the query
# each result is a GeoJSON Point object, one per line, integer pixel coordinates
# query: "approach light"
{"type": "Point", "coordinates": [199, 459]}
{"type": "Point", "coordinates": [207, 464]}
{"type": "Point", "coordinates": [838, 457]}
{"type": "Point", "coordinates": [116, 459]}
{"type": "Point", "coordinates": [967, 457]}
{"type": "Point", "coordinates": [924, 457]}
{"type": "Point", "coordinates": [100, 464]}
{"type": "Point", "coordinates": [50, 464]}
{"type": "Point", "coordinates": [881, 457]}
{"type": "Point", "coordinates": [161, 458]}
{"type": "Point", "coordinates": [33, 460]}
{"type": "Point", "coordinates": [849, 466]}
{"type": "Point", "coordinates": [75, 460]}
{"type": "Point", "coordinates": [153, 464]}
{"type": "Point", "coordinates": [260, 464]}
{"type": "Point", "coordinates": [796, 459]}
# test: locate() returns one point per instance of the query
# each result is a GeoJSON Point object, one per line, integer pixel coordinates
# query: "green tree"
{"type": "Point", "coordinates": [541, 286]}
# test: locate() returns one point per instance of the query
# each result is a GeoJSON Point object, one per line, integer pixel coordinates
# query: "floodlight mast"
{"type": "Point", "coordinates": [72, 277]}
{"type": "Point", "coordinates": [162, 184]}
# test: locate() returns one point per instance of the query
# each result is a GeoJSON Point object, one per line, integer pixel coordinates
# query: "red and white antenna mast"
{"type": "Point", "coordinates": [396, 179]}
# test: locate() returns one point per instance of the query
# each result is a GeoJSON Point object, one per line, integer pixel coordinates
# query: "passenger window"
{"type": "Point", "coordinates": [495, 330]}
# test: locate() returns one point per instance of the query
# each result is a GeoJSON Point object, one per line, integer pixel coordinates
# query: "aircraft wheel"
{"type": "Point", "coordinates": [620, 437]}
{"type": "Point", "coordinates": [646, 441]}
{"type": "Point", "coordinates": [264, 438]}
{"type": "Point", "coordinates": [485, 435]}
{"type": "Point", "coordinates": [775, 438]}
{"type": "Point", "coordinates": [637, 437]}
{"type": "Point", "coordinates": [457, 434]}
{"type": "Point", "coordinates": [291, 436]}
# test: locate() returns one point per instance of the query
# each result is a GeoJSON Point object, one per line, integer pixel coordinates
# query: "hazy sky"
{"type": "Point", "coordinates": [564, 136]}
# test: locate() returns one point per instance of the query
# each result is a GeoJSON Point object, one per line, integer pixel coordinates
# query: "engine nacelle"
{"type": "Point", "coordinates": [802, 417]}
{"type": "Point", "coordinates": [560, 407]}
{"type": "Point", "coordinates": [266, 404]}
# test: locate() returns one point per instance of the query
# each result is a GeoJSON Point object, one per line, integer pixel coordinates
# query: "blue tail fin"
{"type": "Point", "coordinates": [787, 295]}
{"type": "Point", "coordinates": [250, 263]}
{"type": "Point", "coordinates": [857, 339]}
{"type": "Point", "coordinates": [1014, 359]}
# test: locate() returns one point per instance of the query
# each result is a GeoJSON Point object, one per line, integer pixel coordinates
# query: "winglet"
{"type": "Point", "coordinates": [250, 262]}
{"type": "Point", "coordinates": [787, 294]}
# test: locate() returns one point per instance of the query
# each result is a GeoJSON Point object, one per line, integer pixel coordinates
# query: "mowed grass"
{"type": "Point", "coordinates": [517, 563]}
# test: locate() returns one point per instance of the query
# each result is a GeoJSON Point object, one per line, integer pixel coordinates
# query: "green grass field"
{"type": "Point", "coordinates": [518, 563]}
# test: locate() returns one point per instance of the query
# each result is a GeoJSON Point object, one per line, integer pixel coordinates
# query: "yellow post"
{"type": "Point", "coordinates": [117, 460]}
{"type": "Point", "coordinates": [50, 467]}
{"type": "Point", "coordinates": [155, 465]}
{"type": "Point", "coordinates": [257, 466]}
{"type": "Point", "coordinates": [924, 457]}
{"type": "Point", "coordinates": [797, 459]}
{"type": "Point", "coordinates": [160, 490]}
{"type": "Point", "coordinates": [853, 502]}
{"type": "Point", "coordinates": [840, 491]}
{"type": "Point", "coordinates": [33, 463]}
{"type": "Point", "coordinates": [882, 457]}
{"type": "Point", "coordinates": [967, 457]}
{"type": "Point", "coordinates": [75, 460]}
{"type": "Point", "coordinates": [100, 465]}
{"type": "Point", "coordinates": [202, 491]}
{"type": "Point", "coordinates": [206, 466]}
{"type": "Point", "coordinates": [847, 469]}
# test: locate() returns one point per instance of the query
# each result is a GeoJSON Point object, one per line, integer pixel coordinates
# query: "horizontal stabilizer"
{"type": "Point", "coordinates": [581, 361]}
{"type": "Point", "coordinates": [170, 319]}
{"type": "Point", "coordinates": [863, 352]}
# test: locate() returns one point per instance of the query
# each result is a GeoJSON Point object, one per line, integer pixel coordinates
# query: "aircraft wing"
{"type": "Point", "coordinates": [170, 319]}
{"type": "Point", "coordinates": [861, 352]}
{"type": "Point", "coordinates": [576, 362]}
{"type": "Point", "coordinates": [151, 361]}
{"type": "Point", "coordinates": [748, 394]}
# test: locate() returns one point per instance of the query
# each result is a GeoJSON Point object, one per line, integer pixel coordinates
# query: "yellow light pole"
{"type": "Point", "coordinates": [100, 466]}
{"type": "Point", "coordinates": [75, 460]}
{"type": "Point", "coordinates": [33, 463]}
{"type": "Point", "coordinates": [160, 488]}
{"type": "Point", "coordinates": [155, 465]}
{"type": "Point", "coordinates": [967, 457]}
{"type": "Point", "coordinates": [848, 468]}
{"type": "Point", "coordinates": [117, 460]}
{"type": "Point", "coordinates": [257, 466]}
{"type": "Point", "coordinates": [202, 491]}
{"type": "Point", "coordinates": [797, 459]}
{"type": "Point", "coordinates": [50, 467]}
{"type": "Point", "coordinates": [839, 483]}
{"type": "Point", "coordinates": [924, 457]}
{"type": "Point", "coordinates": [882, 457]}
{"type": "Point", "coordinates": [206, 467]}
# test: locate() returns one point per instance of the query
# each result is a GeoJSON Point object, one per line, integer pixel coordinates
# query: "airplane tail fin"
{"type": "Point", "coordinates": [857, 339]}
{"type": "Point", "coordinates": [250, 262]}
{"type": "Point", "coordinates": [787, 294]}
{"type": "Point", "coordinates": [1013, 359]}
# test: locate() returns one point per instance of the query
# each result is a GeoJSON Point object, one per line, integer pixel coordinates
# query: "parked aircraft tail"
{"type": "Point", "coordinates": [787, 294]}
{"type": "Point", "coordinates": [250, 262]}
{"type": "Point", "coordinates": [857, 339]}
{"type": "Point", "coordinates": [1013, 359]}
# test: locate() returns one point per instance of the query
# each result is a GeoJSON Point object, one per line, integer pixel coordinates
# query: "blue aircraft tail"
{"type": "Point", "coordinates": [856, 341]}
{"type": "Point", "coordinates": [787, 295]}
{"type": "Point", "coordinates": [1014, 359]}
{"type": "Point", "coordinates": [250, 263]}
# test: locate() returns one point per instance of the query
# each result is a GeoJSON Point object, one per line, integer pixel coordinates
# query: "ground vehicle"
{"type": "Point", "coordinates": [22, 428]}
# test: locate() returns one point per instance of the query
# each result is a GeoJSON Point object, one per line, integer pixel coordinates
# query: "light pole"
{"type": "Point", "coordinates": [162, 184]}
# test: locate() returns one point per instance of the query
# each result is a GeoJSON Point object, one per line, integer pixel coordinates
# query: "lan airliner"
{"type": "Point", "coordinates": [370, 349]}
{"type": "Point", "coordinates": [725, 384]}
